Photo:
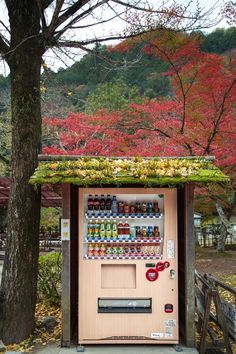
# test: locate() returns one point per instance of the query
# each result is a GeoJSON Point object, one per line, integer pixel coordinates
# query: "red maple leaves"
{"type": "Point", "coordinates": [197, 119]}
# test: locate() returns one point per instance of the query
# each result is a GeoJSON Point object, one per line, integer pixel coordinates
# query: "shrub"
{"type": "Point", "coordinates": [49, 278]}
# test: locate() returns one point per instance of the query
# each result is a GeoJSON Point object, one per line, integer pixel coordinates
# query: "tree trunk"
{"type": "Point", "coordinates": [225, 218]}
{"type": "Point", "coordinates": [19, 281]}
{"type": "Point", "coordinates": [222, 239]}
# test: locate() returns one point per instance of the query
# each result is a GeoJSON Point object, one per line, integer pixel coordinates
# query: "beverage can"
{"type": "Point", "coordinates": [96, 250]}
{"type": "Point", "coordinates": [120, 250]}
{"type": "Point", "coordinates": [90, 250]}
{"type": "Point", "coordinates": [115, 250]}
{"type": "Point", "coordinates": [102, 250]}
{"type": "Point", "coordinates": [151, 250]}
{"type": "Point", "coordinates": [132, 249]}
{"type": "Point", "coordinates": [109, 250]}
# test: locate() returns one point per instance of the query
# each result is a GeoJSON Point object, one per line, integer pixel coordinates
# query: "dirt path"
{"type": "Point", "coordinates": [220, 265]}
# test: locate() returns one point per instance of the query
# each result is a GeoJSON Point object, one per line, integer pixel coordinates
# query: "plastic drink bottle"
{"type": "Point", "coordinates": [114, 205]}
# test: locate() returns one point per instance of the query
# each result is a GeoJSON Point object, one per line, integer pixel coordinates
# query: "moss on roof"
{"type": "Point", "coordinates": [87, 171]}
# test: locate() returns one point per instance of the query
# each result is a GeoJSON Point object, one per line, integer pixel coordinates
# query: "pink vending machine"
{"type": "Point", "coordinates": [128, 266]}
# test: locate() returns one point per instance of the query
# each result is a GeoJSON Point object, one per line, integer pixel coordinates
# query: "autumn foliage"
{"type": "Point", "coordinates": [198, 118]}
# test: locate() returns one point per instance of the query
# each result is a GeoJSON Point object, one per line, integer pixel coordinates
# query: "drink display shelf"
{"type": "Point", "coordinates": [132, 256]}
{"type": "Point", "coordinates": [123, 216]}
{"type": "Point", "coordinates": [136, 240]}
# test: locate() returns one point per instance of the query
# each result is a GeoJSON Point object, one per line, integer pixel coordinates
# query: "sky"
{"type": "Point", "coordinates": [57, 60]}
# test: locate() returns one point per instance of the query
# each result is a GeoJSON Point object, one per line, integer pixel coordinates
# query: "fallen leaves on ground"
{"type": "Point", "coordinates": [40, 335]}
{"type": "Point", "coordinates": [229, 279]}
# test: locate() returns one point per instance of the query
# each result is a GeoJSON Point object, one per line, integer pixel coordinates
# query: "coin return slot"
{"type": "Point", "coordinates": [118, 276]}
{"type": "Point", "coordinates": [118, 305]}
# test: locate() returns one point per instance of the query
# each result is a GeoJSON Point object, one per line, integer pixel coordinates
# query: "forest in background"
{"type": "Point", "coordinates": [104, 79]}
{"type": "Point", "coordinates": [68, 89]}
{"type": "Point", "coordinates": [109, 79]}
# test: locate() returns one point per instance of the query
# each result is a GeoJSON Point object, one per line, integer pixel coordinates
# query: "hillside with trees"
{"type": "Point", "coordinates": [74, 84]}
{"type": "Point", "coordinates": [196, 118]}
{"type": "Point", "coordinates": [105, 79]}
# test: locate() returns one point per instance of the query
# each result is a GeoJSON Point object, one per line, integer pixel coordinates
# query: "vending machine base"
{"type": "Point", "coordinates": [128, 273]}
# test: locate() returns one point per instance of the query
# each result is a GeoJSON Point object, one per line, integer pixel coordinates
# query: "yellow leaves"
{"type": "Point", "coordinates": [40, 336]}
{"type": "Point", "coordinates": [87, 170]}
{"type": "Point", "coordinates": [53, 166]}
{"type": "Point", "coordinates": [43, 89]}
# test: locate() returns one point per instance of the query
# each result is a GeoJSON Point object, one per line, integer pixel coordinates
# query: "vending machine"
{"type": "Point", "coordinates": [128, 266]}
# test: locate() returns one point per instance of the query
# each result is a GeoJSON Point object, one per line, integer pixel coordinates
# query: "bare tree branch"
{"type": "Point", "coordinates": [131, 6]}
{"type": "Point", "coordinates": [82, 44]}
{"type": "Point", "coordinates": [183, 90]}
{"type": "Point", "coordinates": [6, 28]}
{"type": "Point", "coordinates": [51, 28]}
{"type": "Point", "coordinates": [80, 16]}
{"type": "Point", "coordinates": [70, 12]}
{"type": "Point", "coordinates": [96, 23]}
{"type": "Point", "coordinates": [220, 114]}
{"type": "Point", "coordinates": [43, 19]}
{"type": "Point", "coordinates": [4, 48]}
{"type": "Point", "coordinates": [46, 3]}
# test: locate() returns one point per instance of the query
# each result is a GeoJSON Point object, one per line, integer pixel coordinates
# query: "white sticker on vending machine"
{"type": "Point", "coordinates": [170, 249]}
{"type": "Point", "coordinates": [157, 335]}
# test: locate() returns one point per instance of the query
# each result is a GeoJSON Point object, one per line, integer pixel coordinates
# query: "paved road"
{"type": "Point", "coordinates": [118, 349]}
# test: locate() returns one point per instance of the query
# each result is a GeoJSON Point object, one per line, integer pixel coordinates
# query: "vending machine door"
{"type": "Point", "coordinates": [128, 275]}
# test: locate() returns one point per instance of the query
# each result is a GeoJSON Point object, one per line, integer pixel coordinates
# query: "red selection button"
{"type": "Point", "coordinates": [151, 274]}
{"type": "Point", "coordinates": [167, 264]}
{"type": "Point", "coordinates": [160, 266]}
